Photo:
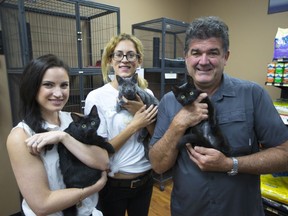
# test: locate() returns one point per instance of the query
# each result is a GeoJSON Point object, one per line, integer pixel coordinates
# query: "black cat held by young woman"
{"type": "Point", "coordinates": [75, 173]}
{"type": "Point", "coordinates": [207, 133]}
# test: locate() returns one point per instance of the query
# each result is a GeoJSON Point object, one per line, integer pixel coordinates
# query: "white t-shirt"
{"type": "Point", "coordinates": [51, 163]}
{"type": "Point", "coordinates": [130, 158]}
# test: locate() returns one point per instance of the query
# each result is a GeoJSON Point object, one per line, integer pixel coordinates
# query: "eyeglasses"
{"type": "Point", "coordinates": [130, 56]}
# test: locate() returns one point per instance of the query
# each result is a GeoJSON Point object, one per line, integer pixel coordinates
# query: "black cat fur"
{"type": "Point", "coordinates": [207, 133]}
{"type": "Point", "coordinates": [75, 173]}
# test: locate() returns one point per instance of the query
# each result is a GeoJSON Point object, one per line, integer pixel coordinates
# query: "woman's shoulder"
{"type": "Point", "coordinates": [18, 130]}
{"type": "Point", "coordinates": [23, 128]}
{"type": "Point", "coordinates": [99, 90]}
{"type": "Point", "coordinates": [17, 136]}
{"type": "Point", "coordinates": [102, 93]}
{"type": "Point", "coordinates": [149, 91]}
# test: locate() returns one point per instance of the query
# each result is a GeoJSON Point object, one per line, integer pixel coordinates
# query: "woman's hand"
{"type": "Point", "coordinates": [99, 185]}
{"type": "Point", "coordinates": [133, 105]}
{"type": "Point", "coordinates": [36, 142]}
{"type": "Point", "coordinates": [144, 117]}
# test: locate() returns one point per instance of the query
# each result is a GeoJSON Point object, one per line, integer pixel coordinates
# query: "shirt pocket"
{"type": "Point", "coordinates": [237, 128]}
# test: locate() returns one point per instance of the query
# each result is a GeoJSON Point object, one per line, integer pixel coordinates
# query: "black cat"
{"type": "Point", "coordinates": [75, 173]}
{"type": "Point", "coordinates": [207, 133]}
{"type": "Point", "coordinates": [128, 87]}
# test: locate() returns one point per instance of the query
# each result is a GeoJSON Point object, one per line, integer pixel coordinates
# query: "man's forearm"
{"type": "Point", "coordinates": [270, 160]}
{"type": "Point", "coordinates": [163, 153]}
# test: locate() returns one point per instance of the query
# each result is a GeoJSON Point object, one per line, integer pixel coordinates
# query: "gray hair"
{"type": "Point", "coordinates": [207, 27]}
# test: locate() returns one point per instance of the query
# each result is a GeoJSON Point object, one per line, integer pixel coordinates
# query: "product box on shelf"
{"type": "Point", "coordinates": [281, 106]}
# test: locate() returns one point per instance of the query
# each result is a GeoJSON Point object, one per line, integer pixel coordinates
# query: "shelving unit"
{"type": "Point", "coordinates": [273, 207]}
{"type": "Point", "coordinates": [281, 85]}
{"type": "Point", "coordinates": [74, 30]}
{"type": "Point", "coordinates": [163, 41]}
{"type": "Point", "coordinates": [164, 65]}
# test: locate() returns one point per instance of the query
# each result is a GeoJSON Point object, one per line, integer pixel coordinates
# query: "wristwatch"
{"type": "Point", "coordinates": [234, 169]}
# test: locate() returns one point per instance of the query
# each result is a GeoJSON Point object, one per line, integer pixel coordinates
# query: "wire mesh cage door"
{"type": "Point", "coordinates": [74, 30]}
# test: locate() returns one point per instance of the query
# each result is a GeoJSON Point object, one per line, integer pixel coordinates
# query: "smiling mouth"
{"type": "Point", "coordinates": [57, 101]}
{"type": "Point", "coordinates": [124, 66]}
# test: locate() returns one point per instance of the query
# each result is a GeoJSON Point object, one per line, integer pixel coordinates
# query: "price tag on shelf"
{"type": "Point", "coordinates": [284, 119]}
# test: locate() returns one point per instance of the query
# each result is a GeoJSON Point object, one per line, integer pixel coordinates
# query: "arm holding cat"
{"type": "Point", "coordinates": [142, 118]}
{"type": "Point", "coordinates": [133, 106]}
{"type": "Point", "coordinates": [270, 160]}
{"type": "Point", "coordinates": [164, 152]}
{"type": "Point", "coordinates": [85, 153]}
{"type": "Point", "coordinates": [32, 179]}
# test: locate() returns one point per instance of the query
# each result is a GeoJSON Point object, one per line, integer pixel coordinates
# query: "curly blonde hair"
{"type": "Point", "coordinates": [109, 49]}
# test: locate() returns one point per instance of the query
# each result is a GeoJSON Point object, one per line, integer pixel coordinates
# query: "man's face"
{"type": "Point", "coordinates": [205, 61]}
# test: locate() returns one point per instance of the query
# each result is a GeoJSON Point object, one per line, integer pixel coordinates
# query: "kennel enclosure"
{"type": "Point", "coordinates": [163, 40]}
{"type": "Point", "coordinates": [74, 30]}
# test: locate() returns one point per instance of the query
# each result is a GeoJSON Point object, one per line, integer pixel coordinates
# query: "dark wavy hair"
{"type": "Point", "coordinates": [205, 28]}
{"type": "Point", "coordinates": [29, 86]}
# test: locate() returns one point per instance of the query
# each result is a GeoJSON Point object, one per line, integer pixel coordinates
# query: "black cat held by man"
{"type": "Point", "coordinates": [207, 133]}
{"type": "Point", "coordinates": [75, 173]}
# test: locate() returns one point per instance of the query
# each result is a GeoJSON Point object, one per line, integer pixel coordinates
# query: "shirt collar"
{"type": "Point", "coordinates": [226, 88]}
{"type": "Point", "coordinates": [52, 127]}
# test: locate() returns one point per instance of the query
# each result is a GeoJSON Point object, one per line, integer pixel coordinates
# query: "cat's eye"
{"type": "Point", "coordinates": [83, 125]}
{"type": "Point", "coordinates": [182, 96]}
{"type": "Point", "coordinates": [93, 123]}
{"type": "Point", "coordinates": [191, 93]}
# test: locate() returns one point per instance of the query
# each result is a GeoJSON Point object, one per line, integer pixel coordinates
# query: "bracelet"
{"type": "Point", "coordinates": [234, 169]}
{"type": "Point", "coordinates": [79, 203]}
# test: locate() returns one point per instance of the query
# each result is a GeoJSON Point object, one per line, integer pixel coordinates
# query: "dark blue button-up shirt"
{"type": "Point", "coordinates": [247, 117]}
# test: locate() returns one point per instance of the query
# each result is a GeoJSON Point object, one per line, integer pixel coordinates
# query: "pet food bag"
{"type": "Point", "coordinates": [281, 44]}
{"type": "Point", "coordinates": [275, 187]}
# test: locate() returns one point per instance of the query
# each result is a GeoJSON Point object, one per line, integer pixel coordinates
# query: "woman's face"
{"type": "Point", "coordinates": [53, 93]}
{"type": "Point", "coordinates": [123, 67]}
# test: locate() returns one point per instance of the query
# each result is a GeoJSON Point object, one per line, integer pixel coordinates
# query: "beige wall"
{"type": "Point", "coordinates": [9, 195]}
{"type": "Point", "coordinates": [135, 11]}
{"type": "Point", "coordinates": [252, 30]}
{"type": "Point", "coordinates": [252, 33]}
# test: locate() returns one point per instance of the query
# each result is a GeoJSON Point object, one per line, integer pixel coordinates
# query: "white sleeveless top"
{"type": "Point", "coordinates": [51, 162]}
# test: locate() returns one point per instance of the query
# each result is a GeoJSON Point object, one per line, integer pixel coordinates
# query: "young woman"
{"type": "Point", "coordinates": [32, 144]}
{"type": "Point", "coordinates": [129, 185]}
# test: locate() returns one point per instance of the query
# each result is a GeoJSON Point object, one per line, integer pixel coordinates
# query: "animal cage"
{"type": "Point", "coordinates": [74, 30]}
{"type": "Point", "coordinates": [163, 41]}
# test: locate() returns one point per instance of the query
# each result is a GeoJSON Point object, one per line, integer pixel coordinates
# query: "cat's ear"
{"type": "Point", "coordinates": [119, 79]}
{"type": "Point", "coordinates": [93, 111]}
{"type": "Point", "coordinates": [175, 89]}
{"type": "Point", "coordinates": [75, 117]}
{"type": "Point", "coordinates": [189, 79]}
{"type": "Point", "coordinates": [135, 78]}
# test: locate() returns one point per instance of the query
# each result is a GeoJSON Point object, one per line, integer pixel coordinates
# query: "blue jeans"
{"type": "Point", "coordinates": [114, 200]}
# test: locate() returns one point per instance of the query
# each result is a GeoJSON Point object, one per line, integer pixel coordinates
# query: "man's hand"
{"type": "Point", "coordinates": [209, 159]}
